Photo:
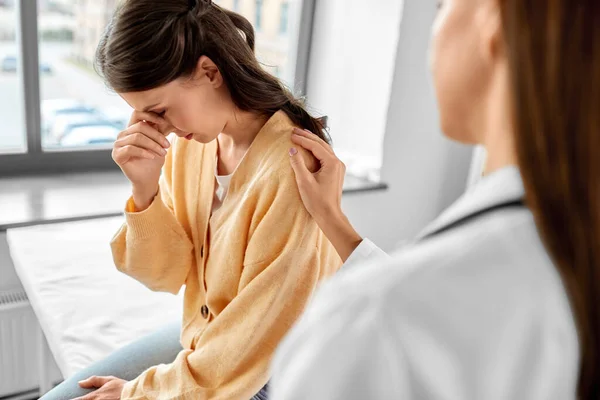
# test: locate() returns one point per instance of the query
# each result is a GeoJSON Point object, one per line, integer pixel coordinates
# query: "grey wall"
{"type": "Point", "coordinates": [425, 171]}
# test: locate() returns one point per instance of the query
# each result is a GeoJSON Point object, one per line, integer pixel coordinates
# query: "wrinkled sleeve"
{"type": "Point", "coordinates": [152, 246]}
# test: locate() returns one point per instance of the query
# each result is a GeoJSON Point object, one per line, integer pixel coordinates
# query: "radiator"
{"type": "Point", "coordinates": [18, 344]}
{"type": "Point", "coordinates": [26, 365]}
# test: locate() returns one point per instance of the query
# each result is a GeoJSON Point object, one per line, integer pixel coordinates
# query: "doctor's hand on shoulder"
{"type": "Point", "coordinates": [321, 191]}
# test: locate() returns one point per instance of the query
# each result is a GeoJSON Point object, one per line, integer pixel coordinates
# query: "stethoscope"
{"type": "Point", "coordinates": [470, 218]}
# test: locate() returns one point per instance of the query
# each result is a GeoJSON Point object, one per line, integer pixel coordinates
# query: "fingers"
{"type": "Point", "coordinates": [303, 175]}
{"type": "Point", "coordinates": [121, 155]}
{"type": "Point", "coordinates": [87, 383]}
{"type": "Point", "coordinates": [162, 125]}
{"type": "Point", "coordinates": [139, 116]}
{"type": "Point", "coordinates": [141, 140]}
{"type": "Point", "coordinates": [95, 382]}
{"type": "Point", "coordinates": [148, 130]}
{"type": "Point", "coordinates": [315, 147]}
{"type": "Point", "coordinates": [311, 136]}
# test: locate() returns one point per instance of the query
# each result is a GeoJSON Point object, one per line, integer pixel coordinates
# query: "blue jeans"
{"type": "Point", "coordinates": [160, 347]}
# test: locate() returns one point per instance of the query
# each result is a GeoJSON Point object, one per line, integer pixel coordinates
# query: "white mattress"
{"type": "Point", "coordinates": [85, 307]}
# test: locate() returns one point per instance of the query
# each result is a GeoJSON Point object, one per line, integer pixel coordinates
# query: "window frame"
{"type": "Point", "coordinates": [34, 160]}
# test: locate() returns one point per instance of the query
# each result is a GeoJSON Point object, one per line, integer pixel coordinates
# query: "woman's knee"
{"type": "Point", "coordinates": [128, 362]}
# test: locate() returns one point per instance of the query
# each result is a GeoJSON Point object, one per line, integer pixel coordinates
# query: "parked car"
{"type": "Point", "coordinates": [53, 108]}
{"type": "Point", "coordinates": [90, 135]}
{"type": "Point", "coordinates": [63, 124]}
{"type": "Point", "coordinates": [45, 68]}
{"type": "Point", "coordinates": [9, 64]}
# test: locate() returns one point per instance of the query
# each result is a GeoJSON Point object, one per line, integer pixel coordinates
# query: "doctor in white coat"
{"type": "Point", "coordinates": [500, 297]}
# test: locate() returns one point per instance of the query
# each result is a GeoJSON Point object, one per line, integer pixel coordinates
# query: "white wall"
{"type": "Point", "coordinates": [350, 73]}
{"type": "Point", "coordinates": [425, 171]}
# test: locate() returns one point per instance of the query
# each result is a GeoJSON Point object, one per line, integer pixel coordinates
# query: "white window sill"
{"type": "Point", "coordinates": [36, 200]}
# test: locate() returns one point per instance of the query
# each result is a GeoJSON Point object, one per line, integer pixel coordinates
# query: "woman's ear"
{"type": "Point", "coordinates": [207, 68]}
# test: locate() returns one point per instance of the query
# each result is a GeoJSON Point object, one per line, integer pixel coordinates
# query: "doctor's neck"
{"type": "Point", "coordinates": [497, 130]}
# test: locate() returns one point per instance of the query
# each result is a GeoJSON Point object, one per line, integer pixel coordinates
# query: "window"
{"type": "Point", "coordinates": [258, 15]}
{"type": "Point", "coordinates": [69, 32]}
{"type": "Point", "coordinates": [337, 83]}
{"type": "Point", "coordinates": [57, 113]}
{"type": "Point", "coordinates": [283, 18]}
{"type": "Point", "coordinates": [12, 137]}
{"type": "Point", "coordinates": [282, 33]}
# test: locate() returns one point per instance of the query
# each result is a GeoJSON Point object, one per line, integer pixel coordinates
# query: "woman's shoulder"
{"type": "Point", "coordinates": [275, 143]}
{"type": "Point", "coordinates": [268, 156]}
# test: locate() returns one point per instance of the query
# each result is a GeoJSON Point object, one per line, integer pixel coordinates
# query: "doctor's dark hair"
{"type": "Point", "coordinates": [150, 43]}
{"type": "Point", "coordinates": [553, 49]}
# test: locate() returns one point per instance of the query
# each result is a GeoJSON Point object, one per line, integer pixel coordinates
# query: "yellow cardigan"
{"type": "Point", "coordinates": [249, 269]}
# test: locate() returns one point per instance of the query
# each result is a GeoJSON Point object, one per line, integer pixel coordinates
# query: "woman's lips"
{"type": "Point", "coordinates": [190, 136]}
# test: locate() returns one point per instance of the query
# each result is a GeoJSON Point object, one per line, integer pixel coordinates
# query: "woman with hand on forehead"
{"type": "Point", "coordinates": [217, 210]}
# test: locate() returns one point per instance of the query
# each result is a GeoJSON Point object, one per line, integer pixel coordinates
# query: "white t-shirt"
{"type": "Point", "coordinates": [222, 185]}
{"type": "Point", "coordinates": [221, 188]}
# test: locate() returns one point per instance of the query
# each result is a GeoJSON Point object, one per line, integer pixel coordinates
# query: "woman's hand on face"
{"type": "Point", "coordinates": [321, 191]}
{"type": "Point", "coordinates": [107, 388]}
{"type": "Point", "coordinates": [140, 152]}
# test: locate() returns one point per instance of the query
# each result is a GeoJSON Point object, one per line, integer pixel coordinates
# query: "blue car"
{"type": "Point", "coordinates": [45, 68]}
{"type": "Point", "coordinates": [9, 64]}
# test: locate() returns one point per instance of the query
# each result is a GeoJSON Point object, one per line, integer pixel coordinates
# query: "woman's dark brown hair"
{"type": "Point", "coordinates": [150, 43]}
{"type": "Point", "coordinates": [554, 54]}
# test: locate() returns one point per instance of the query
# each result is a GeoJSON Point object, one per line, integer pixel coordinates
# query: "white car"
{"type": "Point", "coordinates": [64, 123]}
{"type": "Point", "coordinates": [52, 108]}
{"type": "Point", "coordinates": [95, 135]}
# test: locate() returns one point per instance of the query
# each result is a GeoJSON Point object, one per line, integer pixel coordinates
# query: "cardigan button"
{"type": "Point", "coordinates": [204, 311]}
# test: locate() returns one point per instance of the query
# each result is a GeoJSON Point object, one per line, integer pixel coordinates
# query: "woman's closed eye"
{"type": "Point", "coordinates": [164, 127]}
